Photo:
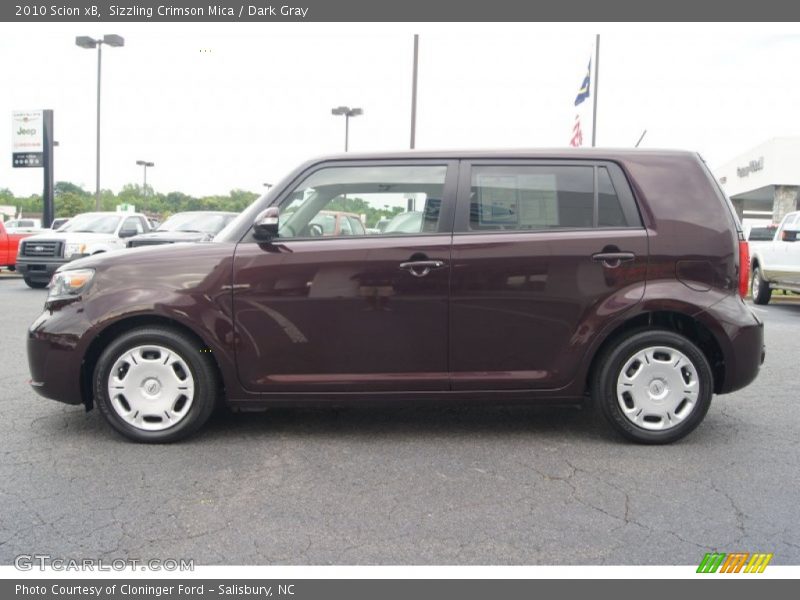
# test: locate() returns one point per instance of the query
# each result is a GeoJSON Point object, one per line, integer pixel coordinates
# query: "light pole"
{"type": "Point", "coordinates": [144, 164]}
{"type": "Point", "coordinates": [88, 43]}
{"type": "Point", "coordinates": [347, 112]}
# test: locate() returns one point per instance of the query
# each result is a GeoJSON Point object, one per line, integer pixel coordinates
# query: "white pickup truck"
{"type": "Point", "coordinates": [775, 264]}
{"type": "Point", "coordinates": [85, 234]}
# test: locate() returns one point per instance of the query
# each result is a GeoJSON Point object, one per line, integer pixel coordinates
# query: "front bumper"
{"type": "Point", "coordinates": [39, 269]}
{"type": "Point", "coordinates": [56, 348]}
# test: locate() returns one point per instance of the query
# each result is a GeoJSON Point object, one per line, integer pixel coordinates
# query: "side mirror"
{"type": "Point", "coordinates": [126, 233]}
{"type": "Point", "coordinates": [265, 227]}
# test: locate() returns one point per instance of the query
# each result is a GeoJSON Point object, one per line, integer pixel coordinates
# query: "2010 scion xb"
{"type": "Point", "coordinates": [523, 276]}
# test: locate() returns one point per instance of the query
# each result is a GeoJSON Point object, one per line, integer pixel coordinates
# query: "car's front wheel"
{"type": "Point", "coordinates": [155, 384]}
{"type": "Point", "coordinates": [653, 386]}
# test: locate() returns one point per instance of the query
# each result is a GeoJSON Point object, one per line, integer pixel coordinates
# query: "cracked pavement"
{"type": "Point", "coordinates": [402, 485]}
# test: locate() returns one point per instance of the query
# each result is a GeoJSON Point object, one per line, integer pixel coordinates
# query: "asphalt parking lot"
{"type": "Point", "coordinates": [456, 485]}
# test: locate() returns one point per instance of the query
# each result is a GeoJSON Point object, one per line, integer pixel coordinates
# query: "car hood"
{"type": "Point", "coordinates": [138, 267]}
{"type": "Point", "coordinates": [173, 236]}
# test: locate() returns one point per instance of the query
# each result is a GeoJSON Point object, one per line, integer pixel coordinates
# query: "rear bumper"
{"type": "Point", "coordinates": [741, 341]}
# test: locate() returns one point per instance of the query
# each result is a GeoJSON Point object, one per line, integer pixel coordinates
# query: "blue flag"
{"type": "Point", "coordinates": [583, 92]}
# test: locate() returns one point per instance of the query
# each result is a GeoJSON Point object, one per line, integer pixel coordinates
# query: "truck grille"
{"type": "Point", "coordinates": [41, 249]}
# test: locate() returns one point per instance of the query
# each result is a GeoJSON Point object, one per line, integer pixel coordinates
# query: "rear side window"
{"type": "Point", "coordinates": [609, 212]}
{"type": "Point", "coordinates": [528, 197]}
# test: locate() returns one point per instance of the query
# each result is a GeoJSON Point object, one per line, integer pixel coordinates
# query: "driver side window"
{"type": "Point", "coordinates": [352, 201]}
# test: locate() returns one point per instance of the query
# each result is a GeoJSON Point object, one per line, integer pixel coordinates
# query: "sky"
{"type": "Point", "coordinates": [231, 106]}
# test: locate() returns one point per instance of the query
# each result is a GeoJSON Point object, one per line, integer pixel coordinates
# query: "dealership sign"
{"type": "Point", "coordinates": [27, 138]}
{"type": "Point", "coordinates": [751, 167]}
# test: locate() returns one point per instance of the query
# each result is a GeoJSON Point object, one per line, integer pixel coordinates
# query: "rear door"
{"type": "Point", "coordinates": [791, 243]}
{"type": "Point", "coordinates": [544, 253]}
{"type": "Point", "coordinates": [344, 310]}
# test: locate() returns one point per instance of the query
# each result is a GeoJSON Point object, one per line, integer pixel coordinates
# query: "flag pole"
{"type": "Point", "coordinates": [596, 87]}
{"type": "Point", "coordinates": [414, 93]}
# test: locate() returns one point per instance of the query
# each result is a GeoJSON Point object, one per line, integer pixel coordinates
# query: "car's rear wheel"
{"type": "Point", "coordinates": [759, 288]}
{"type": "Point", "coordinates": [653, 386]}
{"type": "Point", "coordinates": [32, 283]}
{"type": "Point", "coordinates": [154, 384]}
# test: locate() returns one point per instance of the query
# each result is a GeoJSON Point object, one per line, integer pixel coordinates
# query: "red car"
{"type": "Point", "coordinates": [9, 243]}
{"type": "Point", "coordinates": [528, 276]}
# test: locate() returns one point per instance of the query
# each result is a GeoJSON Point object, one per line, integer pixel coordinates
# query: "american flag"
{"type": "Point", "coordinates": [577, 135]}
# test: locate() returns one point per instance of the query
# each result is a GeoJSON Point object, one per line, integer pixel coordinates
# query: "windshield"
{"type": "Point", "coordinates": [92, 223]}
{"type": "Point", "coordinates": [410, 222]}
{"type": "Point", "coordinates": [327, 221]}
{"type": "Point", "coordinates": [205, 222]}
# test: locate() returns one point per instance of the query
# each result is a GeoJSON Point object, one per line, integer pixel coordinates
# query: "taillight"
{"type": "Point", "coordinates": [744, 267]}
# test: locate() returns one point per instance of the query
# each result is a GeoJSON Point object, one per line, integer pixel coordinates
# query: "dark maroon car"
{"type": "Point", "coordinates": [528, 276]}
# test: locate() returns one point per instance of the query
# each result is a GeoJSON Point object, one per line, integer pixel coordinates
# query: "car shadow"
{"type": "Point", "coordinates": [787, 307]}
{"type": "Point", "coordinates": [382, 422]}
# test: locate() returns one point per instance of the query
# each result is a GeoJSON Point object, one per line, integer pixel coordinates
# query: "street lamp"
{"type": "Point", "coordinates": [347, 112]}
{"type": "Point", "coordinates": [88, 43]}
{"type": "Point", "coordinates": [144, 164]}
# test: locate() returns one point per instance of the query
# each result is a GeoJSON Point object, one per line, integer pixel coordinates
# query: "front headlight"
{"type": "Point", "coordinates": [73, 248]}
{"type": "Point", "coordinates": [70, 284]}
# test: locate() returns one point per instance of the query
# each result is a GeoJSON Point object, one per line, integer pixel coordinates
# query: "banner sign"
{"type": "Point", "coordinates": [446, 11]}
{"type": "Point", "coordinates": [27, 138]}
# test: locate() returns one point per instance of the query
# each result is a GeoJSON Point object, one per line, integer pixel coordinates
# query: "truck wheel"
{"type": "Point", "coordinates": [653, 386]}
{"type": "Point", "coordinates": [759, 288]}
{"type": "Point", "coordinates": [38, 285]}
{"type": "Point", "coordinates": [153, 384]}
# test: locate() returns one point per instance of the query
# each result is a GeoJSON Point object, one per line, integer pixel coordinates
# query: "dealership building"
{"type": "Point", "coordinates": [764, 182]}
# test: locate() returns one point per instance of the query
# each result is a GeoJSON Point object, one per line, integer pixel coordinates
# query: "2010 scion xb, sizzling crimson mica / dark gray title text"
{"type": "Point", "coordinates": [499, 277]}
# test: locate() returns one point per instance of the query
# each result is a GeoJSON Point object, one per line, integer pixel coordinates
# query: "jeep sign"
{"type": "Point", "coordinates": [27, 138]}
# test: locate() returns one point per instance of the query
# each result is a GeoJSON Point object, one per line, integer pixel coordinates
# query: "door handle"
{"type": "Point", "coordinates": [420, 268]}
{"type": "Point", "coordinates": [613, 259]}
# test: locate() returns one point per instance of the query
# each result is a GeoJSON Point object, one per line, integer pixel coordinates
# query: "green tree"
{"type": "Point", "coordinates": [69, 204]}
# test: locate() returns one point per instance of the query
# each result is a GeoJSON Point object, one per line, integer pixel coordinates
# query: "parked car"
{"type": "Point", "coordinates": [543, 276]}
{"type": "Point", "coordinates": [760, 233]}
{"type": "Point", "coordinates": [59, 223]}
{"type": "Point", "coordinates": [199, 226]}
{"type": "Point", "coordinates": [85, 234]}
{"type": "Point", "coordinates": [334, 223]}
{"type": "Point", "coordinates": [23, 225]}
{"type": "Point", "coordinates": [776, 262]}
{"type": "Point", "coordinates": [9, 243]}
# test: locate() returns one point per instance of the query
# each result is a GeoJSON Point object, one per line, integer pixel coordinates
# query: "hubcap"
{"type": "Point", "coordinates": [756, 283]}
{"type": "Point", "coordinates": [151, 388]}
{"type": "Point", "coordinates": [657, 388]}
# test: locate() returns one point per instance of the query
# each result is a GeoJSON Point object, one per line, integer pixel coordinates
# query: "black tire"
{"type": "Point", "coordinates": [37, 285]}
{"type": "Point", "coordinates": [759, 288]}
{"type": "Point", "coordinates": [609, 368]}
{"type": "Point", "coordinates": [205, 380]}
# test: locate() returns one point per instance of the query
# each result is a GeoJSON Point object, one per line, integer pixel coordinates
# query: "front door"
{"type": "Point", "coordinates": [544, 253]}
{"type": "Point", "coordinates": [337, 304]}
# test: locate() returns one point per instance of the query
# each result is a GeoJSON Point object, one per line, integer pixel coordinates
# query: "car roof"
{"type": "Point", "coordinates": [521, 153]}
